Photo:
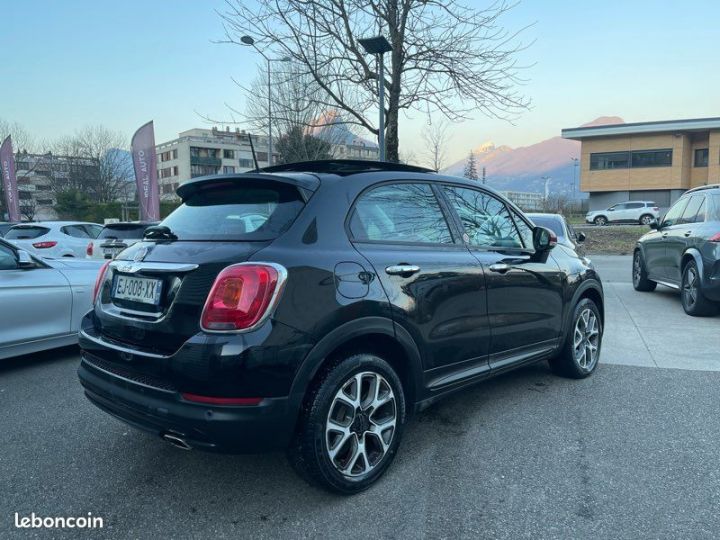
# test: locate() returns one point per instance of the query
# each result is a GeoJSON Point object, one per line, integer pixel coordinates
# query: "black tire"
{"type": "Point", "coordinates": [646, 219]}
{"type": "Point", "coordinates": [693, 301]}
{"type": "Point", "coordinates": [600, 221]}
{"type": "Point", "coordinates": [566, 362]}
{"type": "Point", "coordinates": [639, 274]}
{"type": "Point", "coordinates": [309, 453]}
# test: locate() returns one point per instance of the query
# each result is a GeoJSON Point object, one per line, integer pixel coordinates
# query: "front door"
{"type": "Point", "coordinates": [524, 291]}
{"type": "Point", "coordinates": [659, 265]}
{"type": "Point", "coordinates": [681, 235]}
{"type": "Point", "coordinates": [435, 287]}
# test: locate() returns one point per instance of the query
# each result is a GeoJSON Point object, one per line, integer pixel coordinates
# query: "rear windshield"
{"type": "Point", "coordinates": [123, 232]}
{"type": "Point", "coordinates": [26, 233]}
{"type": "Point", "coordinates": [549, 223]}
{"type": "Point", "coordinates": [255, 211]}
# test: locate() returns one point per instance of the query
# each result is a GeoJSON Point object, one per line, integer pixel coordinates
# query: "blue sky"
{"type": "Point", "coordinates": [69, 64]}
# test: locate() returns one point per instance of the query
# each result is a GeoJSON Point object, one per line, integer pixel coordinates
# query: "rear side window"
{"type": "Point", "coordinates": [76, 231]}
{"type": "Point", "coordinates": [713, 211]}
{"type": "Point", "coordinates": [26, 232]}
{"type": "Point", "coordinates": [253, 211]}
{"type": "Point", "coordinates": [400, 213]}
{"type": "Point", "coordinates": [485, 219]}
{"type": "Point", "coordinates": [123, 232]}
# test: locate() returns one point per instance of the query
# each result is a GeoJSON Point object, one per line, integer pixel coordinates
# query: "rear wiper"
{"type": "Point", "coordinates": [159, 232]}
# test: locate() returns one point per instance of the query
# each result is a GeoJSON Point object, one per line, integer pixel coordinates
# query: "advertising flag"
{"type": "Point", "coordinates": [9, 181]}
{"type": "Point", "coordinates": [145, 163]}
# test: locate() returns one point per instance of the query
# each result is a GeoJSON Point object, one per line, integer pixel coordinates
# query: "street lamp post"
{"type": "Point", "coordinates": [378, 46]}
{"type": "Point", "coordinates": [249, 40]}
{"type": "Point", "coordinates": [576, 163]}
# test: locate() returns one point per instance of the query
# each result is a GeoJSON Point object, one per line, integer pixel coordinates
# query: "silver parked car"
{"type": "Point", "coordinates": [41, 300]}
{"type": "Point", "coordinates": [642, 212]}
{"type": "Point", "coordinates": [54, 238]}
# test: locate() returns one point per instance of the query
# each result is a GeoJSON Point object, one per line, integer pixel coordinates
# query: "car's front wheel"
{"type": "Point", "coordinates": [600, 221]}
{"type": "Point", "coordinates": [646, 219]}
{"type": "Point", "coordinates": [351, 425]}
{"type": "Point", "coordinates": [693, 301]}
{"type": "Point", "coordinates": [639, 274]}
{"type": "Point", "coordinates": [580, 352]}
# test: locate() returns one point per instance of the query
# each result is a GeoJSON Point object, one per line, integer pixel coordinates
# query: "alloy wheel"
{"type": "Point", "coordinates": [690, 289]}
{"type": "Point", "coordinates": [646, 220]}
{"type": "Point", "coordinates": [637, 269]}
{"type": "Point", "coordinates": [361, 424]}
{"type": "Point", "coordinates": [586, 340]}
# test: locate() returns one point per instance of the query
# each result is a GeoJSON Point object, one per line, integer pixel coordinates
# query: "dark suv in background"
{"type": "Point", "coordinates": [683, 252]}
{"type": "Point", "coordinates": [315, 306]}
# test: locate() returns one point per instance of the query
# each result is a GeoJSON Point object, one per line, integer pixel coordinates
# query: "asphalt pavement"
{"type": "Point", "coordinates": [630, 452]}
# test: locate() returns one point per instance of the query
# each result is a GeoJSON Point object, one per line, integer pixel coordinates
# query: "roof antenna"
{"type": "Point", "coordinates": [252, 147]}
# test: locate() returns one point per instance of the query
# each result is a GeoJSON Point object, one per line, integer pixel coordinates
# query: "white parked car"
{"type": "Point", "coordinates": [54, 239]}
{"type": "Point", "coordinates": [642, 212]}
{"type": "Point", "coordinates": [42, 301]}
{"type": "Point", "coordinates": [115, 237]}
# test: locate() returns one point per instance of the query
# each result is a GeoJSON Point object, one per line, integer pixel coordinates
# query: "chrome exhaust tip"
{"type": "Point", "coordinates": [176, 441]}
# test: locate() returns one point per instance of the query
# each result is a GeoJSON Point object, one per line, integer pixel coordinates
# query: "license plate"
{"type": "Point", "coordinates": [137, 289]}
{"type": "Point", "coordinates": [110, 252]}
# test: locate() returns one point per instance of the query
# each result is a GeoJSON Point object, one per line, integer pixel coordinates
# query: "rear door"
{"type": "Point", "coordinates": [436, 288]}
{"type": "Point", "coordinates": [682, 234]}
{"type": "Point", "coordinates": [524, 291]}
{"type": "Point", "coordinates": [35, 303]}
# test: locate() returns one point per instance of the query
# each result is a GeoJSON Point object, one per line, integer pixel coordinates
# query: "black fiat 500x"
{"type": "Point", "coordinates": [315, 306]}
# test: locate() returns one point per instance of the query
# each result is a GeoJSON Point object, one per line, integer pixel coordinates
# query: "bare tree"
{"type": "Point", "coordinates": [436, 138]}
{"type": "Point", "coordinates": [28, 208]}
{"type": "Point", "coordinates": [445, 57]}
{"type": "Point", "coordinates": [97, 162]}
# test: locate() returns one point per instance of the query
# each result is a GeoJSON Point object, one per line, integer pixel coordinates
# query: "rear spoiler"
{"type": "Point", "coordinates": [306, 183]}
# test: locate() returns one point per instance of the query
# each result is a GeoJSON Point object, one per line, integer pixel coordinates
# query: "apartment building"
{"type": "Point", "coordinates": [199, 152]}
{"type": "Point", "coordinates": [40, 175]}
{"type": "Point", "coordinates": [655, 161]}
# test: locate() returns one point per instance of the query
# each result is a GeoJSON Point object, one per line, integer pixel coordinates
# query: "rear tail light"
{"type": "Point", "coordinates": [242, 296]}
{"type": "Point", "coordinates": [89, 249]}
{"type": "Point", "coordinates": [98, 281]}
{"type": "Point", "coordinates": [44, 245]}
{"type": "Point", "coordinates": [210, 400]}
{"type": "Point", "coordinates": [715, 237]}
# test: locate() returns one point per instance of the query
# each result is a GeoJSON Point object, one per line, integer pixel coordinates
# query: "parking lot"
{"type": "Point", "coordinates": [629, 453]}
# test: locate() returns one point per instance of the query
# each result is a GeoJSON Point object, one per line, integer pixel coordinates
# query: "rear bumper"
{"type": "Point", "coordinates": [235, 429]}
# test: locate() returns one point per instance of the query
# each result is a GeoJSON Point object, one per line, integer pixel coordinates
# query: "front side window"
{"type": "Point", "coordinates": [690, 214]}
{"type": "Point", "coordinates": [701, 157]}
{"type": "Point", "coordinates": [485, 219]}
{"type": "Point", "coordinates": [400, 213]}
{"type": "Point", "coordinates": [7, 259]}
{"type": "Point", "coordinates": [673, 215]}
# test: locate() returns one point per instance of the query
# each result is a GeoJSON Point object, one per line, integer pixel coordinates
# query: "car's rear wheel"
{"type": "Point", "coordinates": [580, 352]}
{"type": "Point", "coordinates": [646, 219]}
{"type": "Point", "coordinates": [351, 425]}
{"type": "Point", "coordinates": [693, 301]}
{"type": "Point", "coordinates": [600, 221]}
{"type": "Point", "coordinates": [639, 274]}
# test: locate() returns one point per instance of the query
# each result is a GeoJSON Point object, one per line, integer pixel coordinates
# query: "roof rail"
{"type": "Point", "coordinates": [344, 167]}
{"type": "Point", "coordinates": [700, 188]}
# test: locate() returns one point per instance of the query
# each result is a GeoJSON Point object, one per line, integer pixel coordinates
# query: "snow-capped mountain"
{"type": "Point", "coordinates": [522, 169]}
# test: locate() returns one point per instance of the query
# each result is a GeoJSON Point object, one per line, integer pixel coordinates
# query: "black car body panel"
{"type": "Point", "coordinates": [451, 322]}
{"type": "Point", "coordinates": [680, 237]}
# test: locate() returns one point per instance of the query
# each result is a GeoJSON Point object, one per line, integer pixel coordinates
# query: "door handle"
{"type": "Point", "coordinates": [664, 236]}
{"type": "Point", "coordinates": [500, 268]}
{"type": "Point", "coordinates": [402, 269]}
{"type": "Point", "coordinates": [687, 233]}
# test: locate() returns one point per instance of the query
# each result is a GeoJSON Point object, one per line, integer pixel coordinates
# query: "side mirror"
{"type": "Point", "coordinates": [654, 224]}
{"type": "Point", "coordinates": [543, 239]}
{"type": "Point", "coordinates": [580, 237]}
{"type": "Point", "coordinates": [25, 261]}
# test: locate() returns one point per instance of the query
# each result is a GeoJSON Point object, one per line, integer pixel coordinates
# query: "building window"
{"type": "Point", "coordinates": [175, 170]}
{"type": "Point", "coordinates": [174, 154]}
{"type": "Point", "coordinates": [45, 202]}
{"type": "Point", "coordinates": [202, 170]}
{"type": "Point", "coordinates": [229, 154]}
{"type": "Point", "coordinates": [609, 160]}
{"type": "Point", "coordinates": [701, 157]}
{"type": "Point", "coordinates": [196, 151]}
{"type": "Point", "coordinates": [262, 156]}
{"type": "Point", "coordinates": [651, 158]}
{"type": "Point", "coordinates": [41, 187]}
{"type": "Point", "coordinates": [228, 170]}
{"type": "Point", "coordinates": [247, 163]}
